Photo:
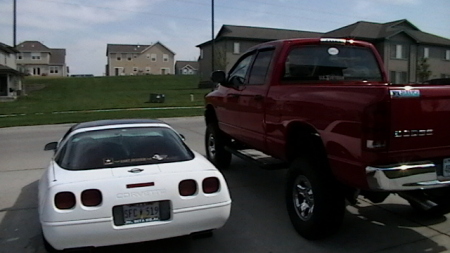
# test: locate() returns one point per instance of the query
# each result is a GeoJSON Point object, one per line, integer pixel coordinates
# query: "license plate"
{"type": "Point", "coordinates": [140, 213]}
{"type": "Point", "coordinates": [446, 167]}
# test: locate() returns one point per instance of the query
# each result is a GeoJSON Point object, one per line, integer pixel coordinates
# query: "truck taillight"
{"type": "Point", "coordinates": [187, 187]}
{"type": "Point", "coordinates": [91, 197]}
{"type": "Point", "coordinates": [211, 185]}
{"type": "Point", "coordinates": [376, 127]}
{"type": "Point", "coordinates": [65, 200]}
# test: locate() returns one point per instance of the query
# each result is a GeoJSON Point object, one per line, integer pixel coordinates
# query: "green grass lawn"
{"type": "Point", "coordinates": [67, 100]}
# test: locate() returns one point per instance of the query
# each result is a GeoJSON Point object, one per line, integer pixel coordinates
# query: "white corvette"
{"type": "Point", "coordinates": [124, 181]}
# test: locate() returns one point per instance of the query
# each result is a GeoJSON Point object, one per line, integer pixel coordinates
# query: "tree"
{"type": "Point", "coordinates": [220, 61]}
{"type": "Point", "coordinates": [423, 70]}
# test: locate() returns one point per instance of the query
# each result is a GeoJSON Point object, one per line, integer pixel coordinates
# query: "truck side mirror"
{"type": "Point", "coordinates": [219, 76]}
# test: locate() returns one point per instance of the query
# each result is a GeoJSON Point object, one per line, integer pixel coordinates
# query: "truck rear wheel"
{"type": "Point", "coordinates": [215, 142]}
{"type": "Point", "coordinates": [314, 200]}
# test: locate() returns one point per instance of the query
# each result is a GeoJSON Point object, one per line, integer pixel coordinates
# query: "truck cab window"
{"type": "Point", "coordinates": [239, 72]}
{"type": "Point", "coordinates": [260, 67]}
{"type": "Point", "coordinates": [331, 63]}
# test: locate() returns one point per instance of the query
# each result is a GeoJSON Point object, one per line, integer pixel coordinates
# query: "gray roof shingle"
{"type": "Point", "coordinates": [7, 49]}
{"type": "Point", "coordinates": [377, 31]}
{"type": "Point", "coordinates": [181, 64]}
{"type": "Point", "coordinates": [32, 46]}
{"type": "Point", "coordinates": [57, 56]}
{"type": "Point", "coordinates": [131, 48]}
{"type": "Point", "coordinates": [260, 33]}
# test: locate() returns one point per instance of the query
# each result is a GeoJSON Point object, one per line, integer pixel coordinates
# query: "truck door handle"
{"type": "Point", "coordinates": [258, 97]}
{"type": "Point", "coordinates": [233, 95]}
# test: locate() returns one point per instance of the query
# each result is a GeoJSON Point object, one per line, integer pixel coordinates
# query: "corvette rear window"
{"type": "Point", "coordinates": [122, 147]}
{"type": "Point", "coordinates": [331, 63]}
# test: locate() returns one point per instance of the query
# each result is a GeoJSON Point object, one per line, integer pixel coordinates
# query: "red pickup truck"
{"type": "Point", "coordinates": [325, 108]}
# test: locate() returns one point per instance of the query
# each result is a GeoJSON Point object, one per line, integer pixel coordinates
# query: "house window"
{"type": "Point", "coordinates": [19, 57]}
{"type": "Point", "coordinates": [118, 57]}
{"type": "Point", "coordinates": [447, 55]}
{"type": "Point", "coordinates": [148, 56]}
{"type": "Point", "coordinates": [153, 57]}
{"type": "Point", "coordinates": [165, 71]}
{"type": "Point", "coordinates": [147, 69]}
{"type": "Point", "coordinates": [426, 52]}
{"type": "Point", "coordinates": [54, 70]}
{"type": "Point", "coordinates": [398, 51]}
{"type": "Point", "coordinates": [35, 56]}
{"type": "Point", "coordinates": [165, 57]}
{"type": "Point", "coordinates": [399, 77]}
{"type": "Point", "coordinates": [36, 71]}
{"type": "Point", "coordinates": [129, 57]}
{"type": "Point", "coordinates": [236, 48]}
{"type": "Point", "coordinates": [135, 69]}
{"type": "Point", "coordinates": [201, 54]}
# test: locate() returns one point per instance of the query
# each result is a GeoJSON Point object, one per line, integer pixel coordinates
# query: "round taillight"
{"type": "Point", "coordinates": [91, 197]}
{"type": "Point", "coordinates": [211, 185]}
{"type": "Point", "coordinates": [187, 187]}
{"type": "Point", "coordinates": [65, 200]}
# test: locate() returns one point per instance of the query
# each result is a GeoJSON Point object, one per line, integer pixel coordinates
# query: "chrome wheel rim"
{"type": "Point", "coordinates": [211, 146]}
{"type": "Point", "coordinates": [303, 198]}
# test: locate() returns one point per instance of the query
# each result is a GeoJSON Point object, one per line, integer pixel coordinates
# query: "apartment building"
{"type": "Point", "coordinates": [10, 77]}
{"type": "Point", "coordinates": [36, 59]}
{"type": "Point", "coordinates": [401, 44]}
{"type": "Point", "coordinates": [126, 59]}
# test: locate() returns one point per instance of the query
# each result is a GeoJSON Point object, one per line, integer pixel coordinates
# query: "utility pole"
{"type": "Point", "coordinates": [14, 23]}
{"type": "Point", "coordinates": [212, 35]}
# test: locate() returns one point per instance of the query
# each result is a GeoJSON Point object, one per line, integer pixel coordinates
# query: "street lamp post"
{"type": "Point", "coordinates": [212, 35]}
{"type": "Point", "coordinates": [14, 23]}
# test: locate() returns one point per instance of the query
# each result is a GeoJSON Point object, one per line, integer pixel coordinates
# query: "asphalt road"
{"type": "Point", "coordinates": [258, 221]}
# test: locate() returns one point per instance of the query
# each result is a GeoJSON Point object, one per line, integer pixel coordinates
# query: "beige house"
{"type": "Point", "coordinates": [10, 78]}
{"type": "Point", "coordinates": [401, 45]}
{"type": "Point", "coordinates": [155, 59]}
{"type": "Point", "coordinates": [36, 59]}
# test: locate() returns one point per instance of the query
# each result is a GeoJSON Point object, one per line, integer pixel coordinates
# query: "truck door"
{"type": "Point", "coordinates": [229, 110]}
{"type": "Point", "coordinates": [251, 101]}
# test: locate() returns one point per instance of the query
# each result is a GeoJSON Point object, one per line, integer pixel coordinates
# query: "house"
{"type": "Point", "coordinates": [155, 59]}
{"type": "Point", "coordinates": [409, 54]}
{"type": "Point", "coordinates": [232, 41]}
{"type": "Point", "coordinates": [403, 48]}
{"type": "Point", "coordinates": [36, 59]}
{"type": "Point", "coordinates": [10, 77]}
{"type": "Point", "coordinates": [186, 68]}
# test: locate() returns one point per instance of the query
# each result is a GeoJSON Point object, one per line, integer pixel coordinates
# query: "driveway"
{"type": "Point", "coordinates": [258, 221]}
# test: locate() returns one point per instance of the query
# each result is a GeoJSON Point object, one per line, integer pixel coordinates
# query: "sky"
{"type": "Point", "coordinates": [85, 27]}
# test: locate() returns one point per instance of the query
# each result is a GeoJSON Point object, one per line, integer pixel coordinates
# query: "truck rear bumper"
{"type": "Point", "coordinates": [416, 176]}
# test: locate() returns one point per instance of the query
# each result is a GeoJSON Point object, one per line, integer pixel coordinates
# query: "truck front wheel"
{"type": "Point", "coordinates": [215, 142]}
{"type": "Point", "coordinates": [314, 201]}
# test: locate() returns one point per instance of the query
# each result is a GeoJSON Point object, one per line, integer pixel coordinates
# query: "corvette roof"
{"type": "Point", "coordinates": [109, 122]}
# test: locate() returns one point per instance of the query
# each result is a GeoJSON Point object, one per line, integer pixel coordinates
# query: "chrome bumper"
{"type": "Point", "coordinates": [417, 176]}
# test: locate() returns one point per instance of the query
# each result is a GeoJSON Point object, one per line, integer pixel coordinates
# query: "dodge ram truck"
{"type": "Point", "coordinates": [324, 109]}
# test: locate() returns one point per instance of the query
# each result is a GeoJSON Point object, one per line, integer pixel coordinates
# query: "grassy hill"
{"type": "Point", "coordinates": [67, 100]}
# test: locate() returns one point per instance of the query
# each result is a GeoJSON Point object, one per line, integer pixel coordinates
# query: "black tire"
{"type": "Point", "coordinates": [315, 201]}
{"type": "Point", "coordinates": [215, 142]}
{"type": "Point", "coordinates": [48, 247]}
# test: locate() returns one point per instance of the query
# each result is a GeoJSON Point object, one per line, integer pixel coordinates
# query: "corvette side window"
{"type": "Point", "coordinates": [239, 73]}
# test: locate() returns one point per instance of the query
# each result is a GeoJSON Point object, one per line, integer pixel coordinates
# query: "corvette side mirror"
{"type": "Point", "coordinates": [51, 146]}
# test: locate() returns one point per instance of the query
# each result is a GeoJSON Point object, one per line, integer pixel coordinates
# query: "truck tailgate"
{"type": "Point", "coordinates": [420, 119]}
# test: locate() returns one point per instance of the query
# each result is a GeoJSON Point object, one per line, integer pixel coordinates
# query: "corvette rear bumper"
{"type": "Point", "coordinates": [103, 232]}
